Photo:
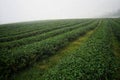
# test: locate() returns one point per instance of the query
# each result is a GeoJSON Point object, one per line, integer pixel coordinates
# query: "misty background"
{"type": "Point", "coordinates": [27, 10]}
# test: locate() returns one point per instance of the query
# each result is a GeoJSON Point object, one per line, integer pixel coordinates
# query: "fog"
{"type": "Point", "coordinates": [27, 10]}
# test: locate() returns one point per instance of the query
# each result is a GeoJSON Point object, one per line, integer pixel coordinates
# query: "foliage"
{"type": "Point", "coordinates": [20, 57]}
{"type": "Point", "coordinates": [94, 60]}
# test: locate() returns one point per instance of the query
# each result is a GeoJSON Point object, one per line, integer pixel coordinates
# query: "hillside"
{"type": "Point", "coordinates": [67, 49]}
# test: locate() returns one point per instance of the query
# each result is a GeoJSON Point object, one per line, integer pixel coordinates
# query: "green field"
{"type": "Point", "coordinates": [68, 49]}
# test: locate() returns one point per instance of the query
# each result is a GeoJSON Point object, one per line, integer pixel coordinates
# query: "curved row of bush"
{"type": "Point", "coordinates": [29, 40]}
{"type": "Point", "coordinates": [18, 58]}
{"type": "Point", "coordinates": [33, 33]}
{"type": "Point", "coordinates": [94, 60]}
{"type": "Point", "coordinates": [116, 20]}
{"type": "Point", "coordinates": [22, 28]}
{"type": "Point", "coordinates": [116, 29]}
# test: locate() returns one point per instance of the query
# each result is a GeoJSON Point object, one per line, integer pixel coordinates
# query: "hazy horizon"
{"type": "Point", "coordinates": [12, 11]}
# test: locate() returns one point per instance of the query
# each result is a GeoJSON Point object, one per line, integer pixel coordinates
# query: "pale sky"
{"type": "Point", "coordinates": [26, 10]}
